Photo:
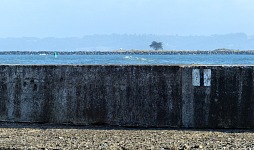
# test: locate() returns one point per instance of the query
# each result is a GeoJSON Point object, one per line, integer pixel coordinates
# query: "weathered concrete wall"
{"type": "Point", "coordinates": [172, 96]}
{"type": "Point", "coordinates": [227, 103]}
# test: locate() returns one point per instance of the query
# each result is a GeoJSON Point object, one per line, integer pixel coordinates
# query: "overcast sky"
{"type": "Point", "coordinates": [76, 18]}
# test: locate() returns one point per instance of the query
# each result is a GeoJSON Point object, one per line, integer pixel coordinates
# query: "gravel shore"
{"type": "Point", "coordinates": [41, 136]}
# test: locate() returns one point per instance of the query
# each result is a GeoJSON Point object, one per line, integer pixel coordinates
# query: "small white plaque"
{"type": "Point", "coordinates": [195, 77]}
{"type": "Point", "coordinates": [207, 77]}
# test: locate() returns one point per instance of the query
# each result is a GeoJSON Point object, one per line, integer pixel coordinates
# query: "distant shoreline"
{"type": "Point", "coordinates": [131, 52]}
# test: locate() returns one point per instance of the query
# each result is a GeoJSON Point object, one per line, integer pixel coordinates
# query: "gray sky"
{"type": "Point", "coordinates": [76, 18]}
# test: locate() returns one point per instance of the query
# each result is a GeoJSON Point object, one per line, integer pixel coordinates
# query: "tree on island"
{"type": "Point", "coordinates": [156, 45]}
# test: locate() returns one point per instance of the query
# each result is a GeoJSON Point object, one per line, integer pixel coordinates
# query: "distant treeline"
{"type": "Point", "coordinates": [128, 42]}
{"type": "Point", "coordinates": [217, 51]}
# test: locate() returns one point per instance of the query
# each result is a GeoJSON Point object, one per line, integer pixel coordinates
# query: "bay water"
{"type": "Point", "coordinates": [200, 59]}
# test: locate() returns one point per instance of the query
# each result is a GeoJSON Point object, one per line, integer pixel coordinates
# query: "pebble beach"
{"type": "Point", "coordinates": [45, 136]}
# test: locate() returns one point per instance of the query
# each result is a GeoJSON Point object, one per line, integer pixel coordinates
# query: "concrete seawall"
{"type": "Point", "coordinates": [129, 95]}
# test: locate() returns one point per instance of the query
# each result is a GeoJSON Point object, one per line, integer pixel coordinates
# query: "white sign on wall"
{"type": "Point", "coordinates": [196, 77]}
{"type": "Point", "coordinates": [207, 77]}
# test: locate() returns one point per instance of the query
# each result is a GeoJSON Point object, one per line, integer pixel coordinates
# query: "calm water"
{"type": "Point", "coordinates": [128, 59]}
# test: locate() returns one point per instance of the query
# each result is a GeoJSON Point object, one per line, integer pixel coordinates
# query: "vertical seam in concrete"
{"type": "Point", "coordinates": [187, 98]}
{"type": "Point", "coordinates": [239, 109]}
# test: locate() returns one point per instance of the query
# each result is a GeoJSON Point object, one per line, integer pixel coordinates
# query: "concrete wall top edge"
{"type": "Point", "coordinates": [173, 65]}
{"type": "Point", "coordinates": [216, 66]}
{"type": "Point", "coordinates": [75, 65]}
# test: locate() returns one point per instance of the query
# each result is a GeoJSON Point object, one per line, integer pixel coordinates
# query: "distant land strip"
{"type": "Point", "coordinates": [130, 52]}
